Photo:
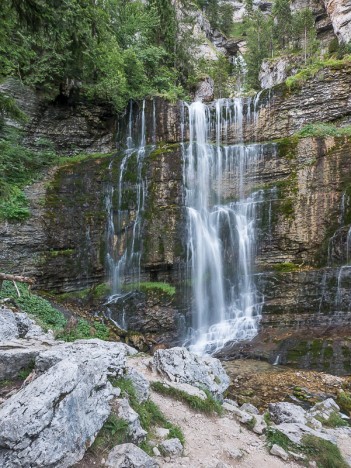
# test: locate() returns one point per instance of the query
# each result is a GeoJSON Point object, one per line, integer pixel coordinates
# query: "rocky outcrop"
{"type": "Point", "coordinates": [127, 414]}
{"type": "Point", "coordinates": [180, 365]}
{"type": "Point", "coordinates": [276, 71]}
{"type": "Point", "coordinates": [339, 12]}
{"type": "Point", "coordinates": [129, 456]}
{"type": "Point", "coordinates": [68, 126]}
{"type": "Point", "coordinates": [37, 428]}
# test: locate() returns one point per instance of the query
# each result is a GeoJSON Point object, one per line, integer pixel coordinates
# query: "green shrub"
{"type": "Point", "coordinates": [344, 401]}
{"type": "Point", "coordinates": [323, 129]}
{"type": "Point", "coordinates": [334, 420]}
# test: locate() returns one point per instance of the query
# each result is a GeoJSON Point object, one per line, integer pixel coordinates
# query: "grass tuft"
{"type": "Point", "coordinates": [325, 453]}
{"type": "Point", "coordinates": [334, 420]}
{"type": "Point", "coordinates": [113, 432]}
{"type": "Point", "coordinates": [344, 401]}
{"type": "Point", "coordinates": [149, 413]}
{"type": "Point", "coordinates": [208, 406]}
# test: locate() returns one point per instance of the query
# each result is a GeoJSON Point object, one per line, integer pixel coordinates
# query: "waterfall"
{"type": "Point", "coordinates": [221, 234]}
{"type": "Point", "coordinates": [124, 234]}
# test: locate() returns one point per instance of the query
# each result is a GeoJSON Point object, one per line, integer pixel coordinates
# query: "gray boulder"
{"type": "Point", "coordinates": [324, 409]}
{"type": "Point", "coordinates": [140, 383]}
{"type": "Point", "coordinates": [180, 365]}
{"type": "Point", "coordinates": [112, 354]}
{"type": "Point", "coordinates": [14, 325]}
{"type": "Point", "coordinates": [171, 448]}
{"type": "Point", "coordinates": [279, 452]}
{"type": "Point", "coordinates": [189, 389]}
{"type": "Point", "coordinates": [287, 413]}
{"type": "Point", "coordinates": [296, 431]}
{"type": "Point", "coordinates": [249, 408]}
{"type": "Point", "coordinates": [8, 325]}
{"type": "Point", "coordinates": [129, 456]}
{"type": "Point", "coordinates": [18, 354]}
{"type": "Point", "coordinates": [53, 420]}
{"type": "Point", "coordinates": [126, 412]}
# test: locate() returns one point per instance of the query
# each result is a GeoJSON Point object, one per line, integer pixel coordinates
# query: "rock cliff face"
{"type": "Point", "coordinates": [302, 244]}
{"type": "Point", "coordinates": [339, 12]}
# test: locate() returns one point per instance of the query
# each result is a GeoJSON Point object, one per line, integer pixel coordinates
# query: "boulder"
{"type": "Point", "coordinates": [140, 383]}
{"type": "Point", "coordinates": [324, 409]}
{"type": "Point", "coordinates": [111, 353]}
{"type": "Point", "coordinates": [180, 365]}
{"type": "Point", "coordinates": [296, 431]}
{"type": "Point", "coordinates": [54, 419]}
{"type": "Point", "coordinates": [8, 325]}
{"type": "Point", "coordinates": [249, 408]}
{"type": "Point", "coordinates": [287, 413]}
{"type": "Point", "coordinates": [129, 456]}
{"type": "Point", "coordinates": [161, 432]}
{"type": "Point", "coordinates": [126, 412]}
{"type": "Point", "coordinates": [18, 354]}
{"type": "Point", "coordinates": [242, 416]}
{"type": "Point", "coordinates": [279, 452]}
{"type": "Point", "coordinates": [14, 325]}
{"type": "Point", "coordinates": [172, 448]}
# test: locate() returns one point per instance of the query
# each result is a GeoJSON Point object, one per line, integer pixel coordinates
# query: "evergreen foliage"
{"type": "Point", "coordinates": [113, 50]}
{"type": "Point", "coordinates": [275, 34]}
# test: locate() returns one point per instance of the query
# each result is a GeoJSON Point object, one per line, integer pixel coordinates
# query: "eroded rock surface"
{"type": "Point", "coordinates": [180, 365]}
{"type": "Point", "coordinates": [129, 456]}
{"type": "Point", "coordinates": [53, 420]}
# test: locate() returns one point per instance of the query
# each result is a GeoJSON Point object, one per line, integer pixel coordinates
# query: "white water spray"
{"type": "Point", "coordinates": [221, 235]}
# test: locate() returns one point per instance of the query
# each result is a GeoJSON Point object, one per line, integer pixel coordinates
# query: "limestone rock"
{"type": "Point", "coordinates": [274, 72]}
{"type": "Point", "coordinates": [8, 325]}
{"type": "Point", "coordinates": [18, 354]}
{"type": "Point", "coordinates": [126, 412]}
{"type": "Point", "coordinates": [242, 416]}
{"type": "Point", "coordinates": [339, 12]}
{"type": "Point", "coordinates": [189, 389]}
{"type": "Point", "coordinates": [279, 452]}
{"type": "Point", "coordinates": [129, 456]}
{"type": "Point", "coordinates": [324, 409]}
{"type": "Point", "coordinates": [180, 365]}
{"type": "Point", "coordinates": [296, 431]}
{"type": "Point", "coordinates": [172, 447]}
{"type": "Point", "coordinates": [53, 420]}
{"type": "Point", "coordinates": [205, 90]}
{"type": "Point", "coordinates": [287, 413]}
{"type": "Point", "coordinates": [260, 425]}
{"type": "Point", "coordinates": [112, 354]}
{"type": "Point", "coordinates": [140, 383]}
{"type": "Point", "coordinates": [161, 432]}
{"type": "Point", "coordinates": [249, 408]}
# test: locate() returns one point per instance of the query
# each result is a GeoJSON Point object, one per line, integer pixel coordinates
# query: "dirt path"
{"type": "Point", "coordinates": [211, 442]}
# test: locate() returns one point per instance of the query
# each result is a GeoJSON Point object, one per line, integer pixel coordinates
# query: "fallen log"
{"type": "Point", "coordinates": [16, 279]}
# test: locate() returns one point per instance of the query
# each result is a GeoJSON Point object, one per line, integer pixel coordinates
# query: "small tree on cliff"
{"type": "Point", "coordinates": [305, 32]}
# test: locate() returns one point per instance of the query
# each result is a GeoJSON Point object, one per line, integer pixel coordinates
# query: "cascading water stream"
{"type": "Point", "coordinates": [221, 235]}
{"type": "Point", "coordinates": [123, 242]}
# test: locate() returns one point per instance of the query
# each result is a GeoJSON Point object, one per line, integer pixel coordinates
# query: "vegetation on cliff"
{"type": "Point", "coordinates": [113, 50]}
{"type": "Point", "coordinates": [50, 318]}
